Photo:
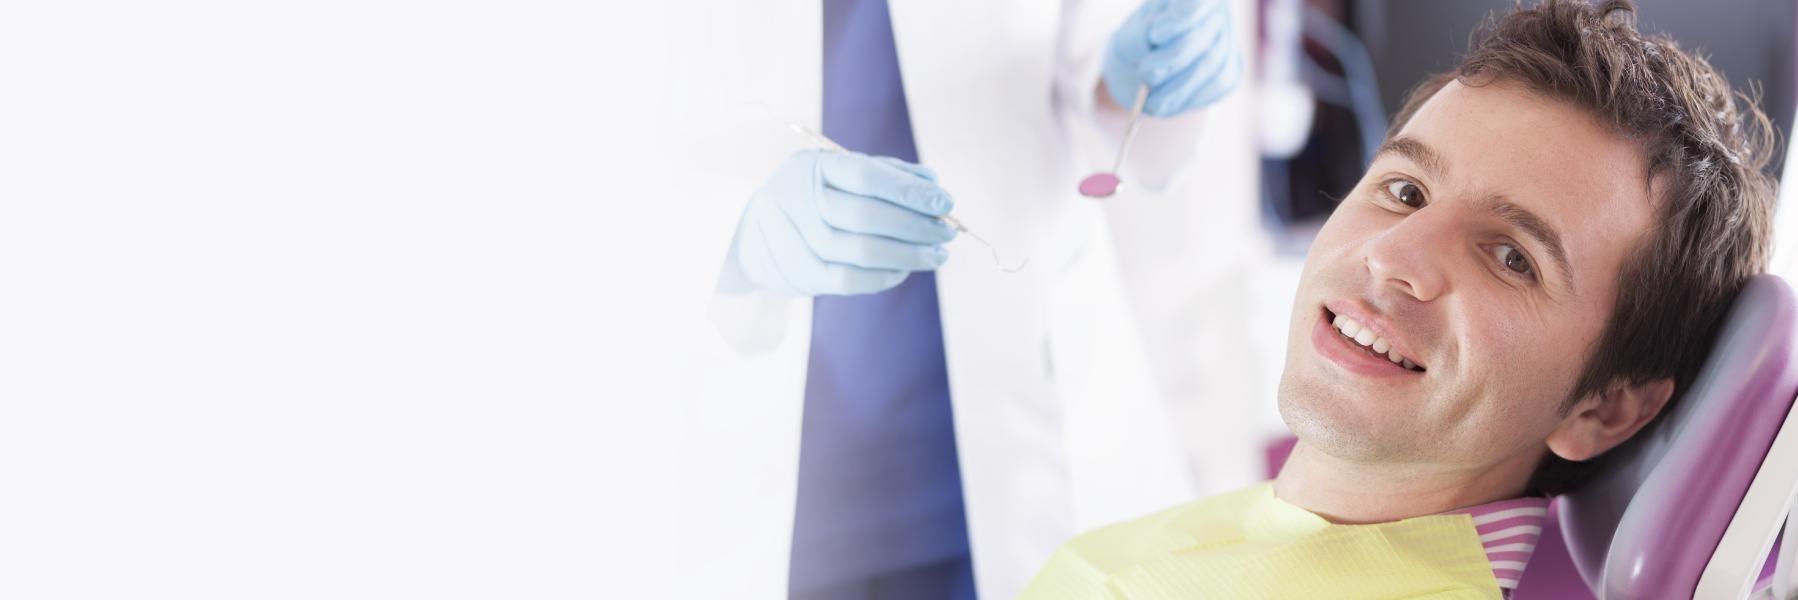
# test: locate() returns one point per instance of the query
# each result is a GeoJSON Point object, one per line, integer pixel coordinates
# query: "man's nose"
{"type": "Point", "coordinates": [1411, 257]}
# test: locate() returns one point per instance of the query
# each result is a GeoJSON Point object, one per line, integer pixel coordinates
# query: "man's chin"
{"type": "Point", "coordinates": [1346, 429]}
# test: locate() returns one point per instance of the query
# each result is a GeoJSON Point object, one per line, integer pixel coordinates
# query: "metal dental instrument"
{"type": "Point", "coordinates": [1103, 185]}
{"type": "Point", "coordinates": [950, 220]}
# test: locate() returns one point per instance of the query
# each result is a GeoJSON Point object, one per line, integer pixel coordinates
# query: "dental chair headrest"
{"type": "Point", "coordinates": [1650, 523]}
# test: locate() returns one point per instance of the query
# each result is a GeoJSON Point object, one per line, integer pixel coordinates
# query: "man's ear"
{"type": "Point", "coordinates": [1601, 421]}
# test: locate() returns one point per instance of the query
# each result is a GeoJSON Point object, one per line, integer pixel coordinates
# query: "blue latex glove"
{"type": "Point", "coordinates": [1185, 50]}
{"type": "Point", "coordinates": [842, 223]}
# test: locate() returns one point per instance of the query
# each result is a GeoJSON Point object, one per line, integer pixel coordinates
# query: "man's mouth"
{"type": "Point", "coordinates": [1364, 339]}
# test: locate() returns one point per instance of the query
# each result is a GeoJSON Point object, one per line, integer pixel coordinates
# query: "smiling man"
{"type": "Point", "coordinates": [1532, 269]}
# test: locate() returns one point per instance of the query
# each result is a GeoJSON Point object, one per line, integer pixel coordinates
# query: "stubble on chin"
{"type": "Point", "coordinates": [1329, 424]}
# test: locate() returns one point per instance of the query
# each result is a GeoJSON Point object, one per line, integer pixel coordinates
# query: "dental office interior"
{"type": "Point", "coordinates": [1325, 79]}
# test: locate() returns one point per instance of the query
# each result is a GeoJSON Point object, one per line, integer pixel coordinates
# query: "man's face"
{"type": "Point", "coordinates": [1483, 245]}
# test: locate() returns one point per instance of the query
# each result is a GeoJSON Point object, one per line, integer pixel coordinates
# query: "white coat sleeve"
{"type": "Point", "coordinates": [733, 134]}
{"type": "Point", "coordinates": [742, 72]}
{"type": "Point", "coordinates": [751, 320]}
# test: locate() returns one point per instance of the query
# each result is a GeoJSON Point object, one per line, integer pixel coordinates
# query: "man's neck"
{"type": "Point", "coordinates": [1361, 492]}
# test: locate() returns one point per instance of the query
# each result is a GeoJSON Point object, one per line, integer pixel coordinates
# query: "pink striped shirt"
{"type": "Point", "coordinates": [1509, 530]}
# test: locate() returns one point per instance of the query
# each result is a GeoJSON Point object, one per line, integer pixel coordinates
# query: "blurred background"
{"type": "Point", "coordinates": [1358, 58]}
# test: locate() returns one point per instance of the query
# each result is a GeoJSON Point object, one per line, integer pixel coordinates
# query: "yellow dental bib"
{"type": "Point", "coordinates": [1250, 544]}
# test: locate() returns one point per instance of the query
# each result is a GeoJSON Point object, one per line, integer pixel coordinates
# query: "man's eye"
{"type": "Point", "coordinates": [1513, 259]}
{"type": "Point", "coordinates": [1405, 192]}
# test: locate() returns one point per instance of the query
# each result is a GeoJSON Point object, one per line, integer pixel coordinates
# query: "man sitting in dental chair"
{"type": "Point", "coordinates": [1533, 267]}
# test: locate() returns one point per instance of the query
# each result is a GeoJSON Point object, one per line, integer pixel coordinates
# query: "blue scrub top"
{"type": "Point", "coordinates": [879, 486]}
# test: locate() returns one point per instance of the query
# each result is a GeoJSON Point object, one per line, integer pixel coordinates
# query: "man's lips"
{"type": "Point", "coordinates": [1351, 356]}
{"type": "Point", "coordinates": [1355, 320]}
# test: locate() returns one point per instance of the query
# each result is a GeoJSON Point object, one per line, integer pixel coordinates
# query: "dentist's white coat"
{"type": "Point", "coordinates": [1108, 379]}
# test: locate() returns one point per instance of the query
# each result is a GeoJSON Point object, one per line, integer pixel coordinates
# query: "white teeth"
{"type": "Point", "coordinates": [1366, 337]}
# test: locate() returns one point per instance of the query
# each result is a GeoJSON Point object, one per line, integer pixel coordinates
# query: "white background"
{"type": "Point", "coordinates": [335, 299]}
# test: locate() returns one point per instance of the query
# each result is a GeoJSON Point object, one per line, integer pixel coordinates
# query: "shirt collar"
{"type": "Point", "coordinates": [1508, 530]}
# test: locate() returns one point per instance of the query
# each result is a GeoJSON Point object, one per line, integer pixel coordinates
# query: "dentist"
{"type": "Point", "coordinates": [907, 425]}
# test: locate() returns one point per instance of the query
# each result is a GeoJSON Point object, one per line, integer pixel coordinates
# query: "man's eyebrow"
{"type": "Point", "coordinates": [1417, 152]}
{"type": "Point", "coordinates": [1535, 227]}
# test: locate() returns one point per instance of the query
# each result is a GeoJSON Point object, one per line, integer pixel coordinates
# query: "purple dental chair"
{"type": "Point", "coordinates": [1692, 511]}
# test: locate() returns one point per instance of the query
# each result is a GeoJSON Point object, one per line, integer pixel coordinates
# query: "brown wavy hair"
{"type": "Point", "coordinates": [1706, 147]}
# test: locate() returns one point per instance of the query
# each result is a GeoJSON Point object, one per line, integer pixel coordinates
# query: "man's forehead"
{"type": "Point", "coordinates": [1506, 128]}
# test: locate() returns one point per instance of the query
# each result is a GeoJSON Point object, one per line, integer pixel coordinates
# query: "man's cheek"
{"type": "Point", "coordinates": [1332, 247]}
